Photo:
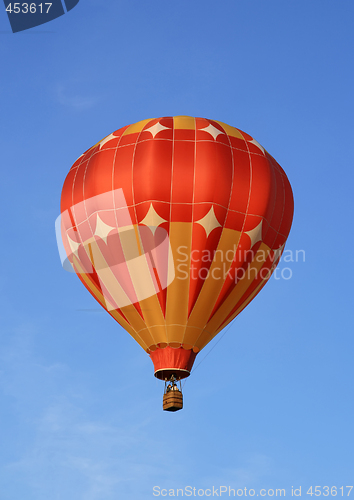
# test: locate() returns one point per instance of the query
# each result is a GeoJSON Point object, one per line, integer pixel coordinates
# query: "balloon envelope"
{"type": "Point", "coordinates": [174, 225]}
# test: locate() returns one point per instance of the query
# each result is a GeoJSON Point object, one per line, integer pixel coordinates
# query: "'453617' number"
{"type": "Point", "coordinates": [32, 8]}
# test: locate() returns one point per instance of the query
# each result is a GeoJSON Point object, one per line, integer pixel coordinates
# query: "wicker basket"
{"type": "Point", "coordinates": [172, 401]}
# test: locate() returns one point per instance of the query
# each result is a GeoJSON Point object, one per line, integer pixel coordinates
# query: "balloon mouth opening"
{"type": "Point", "coordinates": [170, 361]}
{"type": "Point", "coordinates": [166, 373]}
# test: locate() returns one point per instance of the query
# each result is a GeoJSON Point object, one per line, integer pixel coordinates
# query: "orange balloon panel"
{"type": "Point", "coordinates": [174, 225]}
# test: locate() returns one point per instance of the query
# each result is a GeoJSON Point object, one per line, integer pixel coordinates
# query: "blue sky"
{"type": "Point", "coordinates": [271, 406]}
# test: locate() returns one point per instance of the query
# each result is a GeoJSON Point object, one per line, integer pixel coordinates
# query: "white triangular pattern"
{"type": "Point", "coordinates": [102, 230]}
{"type": "Point", "coordinates": [107, 139]}
{"type": "Point", "coordinates": [155, 129]}
{"type": "Point", "coordinates": [255, 234]}
{"type": "Point", "coordinates": [212, 130]}
{"type": "Point", "coordinates": [209, 222]}
{"type": "Point", "coordinates": [152, 219]}
{"type": "Point", "coordinates": [277, 253]}
{"type": "Point", "coordinates": [256, 143]}
{"type": "Point", "coordinates": [74, 245]}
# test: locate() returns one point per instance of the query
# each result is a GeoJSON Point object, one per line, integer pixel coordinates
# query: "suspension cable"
{"type": "Point", "coordinates": [207, 354]}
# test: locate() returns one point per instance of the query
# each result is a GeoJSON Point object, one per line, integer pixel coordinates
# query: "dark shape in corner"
{"type": "Point", "coordinates": [26, 15]}
{"type": "Point", "coordinates": [70, 4]}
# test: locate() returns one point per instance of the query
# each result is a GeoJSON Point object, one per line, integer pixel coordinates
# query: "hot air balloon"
{"type": "Point", "coordinates": [174, 225]}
